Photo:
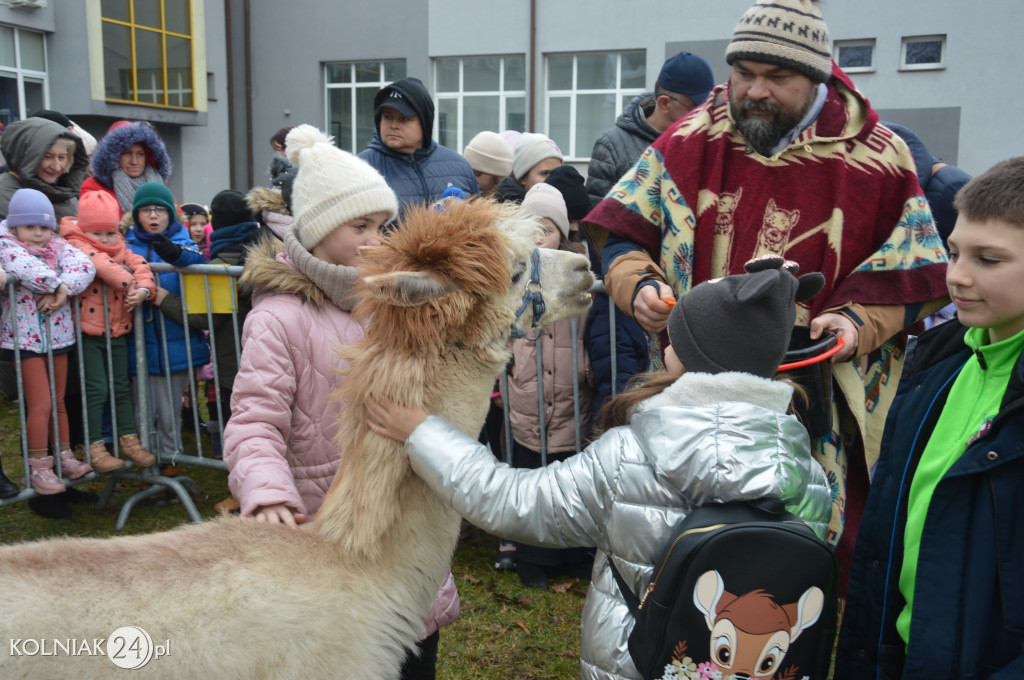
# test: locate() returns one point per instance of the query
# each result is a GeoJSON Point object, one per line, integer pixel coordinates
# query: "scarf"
{"type": "Point", "coordinates": [170, 232]}
{"type": "Point", "coordinates": [235, 234]}
{"type": "Point", "coordinates": [58, 192]}
{"type": "Point", "coordinates": [337, 281]}
{"type": "Point", "coordinates": [125, 186]}
{"type": "Point", "coordinates": [46, 253]}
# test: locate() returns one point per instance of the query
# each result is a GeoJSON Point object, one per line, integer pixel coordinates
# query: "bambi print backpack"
{"type": "Point", "coordinates": [743, 590]}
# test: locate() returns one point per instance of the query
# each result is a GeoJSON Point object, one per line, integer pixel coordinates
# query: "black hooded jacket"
{"type": "Point", "coordinates": [422, 176]}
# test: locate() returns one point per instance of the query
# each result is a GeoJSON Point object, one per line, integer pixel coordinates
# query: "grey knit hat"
{"type": "Point", "coordinates": [532, 148]}
{"type": "Point", "coordinates": [743, 322]}
{"type": "Point", "coordinates": [787, 33]}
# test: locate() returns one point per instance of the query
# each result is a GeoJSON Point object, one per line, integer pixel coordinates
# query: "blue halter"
{"type": "Point", "coordinates": [534, 298]}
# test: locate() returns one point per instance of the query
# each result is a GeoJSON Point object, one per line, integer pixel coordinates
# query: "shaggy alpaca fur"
{"type": "Point", "coordinates": [346, 593]}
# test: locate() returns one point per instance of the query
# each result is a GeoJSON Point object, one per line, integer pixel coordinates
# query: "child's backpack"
{"type": "Point", "coordinates": [742, 590]}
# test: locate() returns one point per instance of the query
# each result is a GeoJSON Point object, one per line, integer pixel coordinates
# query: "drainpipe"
{"type": "Point", "coordinates": [231, 92]}
{"type": "Point", "coordinates": [248, 95]}
{"type": "Point", "coordinates": [533, 66]}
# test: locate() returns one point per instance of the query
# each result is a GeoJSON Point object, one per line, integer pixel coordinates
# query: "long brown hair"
{"type": "Point", "coordinates": [617, 410]}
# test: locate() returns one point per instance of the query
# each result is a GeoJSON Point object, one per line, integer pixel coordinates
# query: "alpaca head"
{"type": "Point", "coordinates": [469, 275]}
{"type": "Point", "coordinates": [442, 297]}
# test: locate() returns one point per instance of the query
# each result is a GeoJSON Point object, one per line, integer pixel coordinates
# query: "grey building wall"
{"type": "Point", "coordinates": [290, 42]}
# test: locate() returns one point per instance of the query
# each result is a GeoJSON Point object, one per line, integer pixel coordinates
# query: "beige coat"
{"type": "Point", "coordinates": [556, 343]}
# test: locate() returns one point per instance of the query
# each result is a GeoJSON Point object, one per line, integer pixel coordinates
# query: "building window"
{"type": "Point", "coordinates": [855, 56]}
{"type": "Point", "coordinates": [476, 94]}
{"type": "Point", "coordinates": [147, 52]}
{"type": "Point", "coordinates": [585, 94]}
{"type": "Point", "coordinates": [923, 52]}
{"type": "Point", "coordinates": [22, 73]}
{"type": "Point", "coordinates": [350, 89]}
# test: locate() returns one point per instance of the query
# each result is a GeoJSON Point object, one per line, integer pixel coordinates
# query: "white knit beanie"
{"type": "Point", "coordinates": [787, 33]}
{"type": "Point", "coordinates": [543, 200]}
{"type": "Point", "coordinates": [489, 152]}
{"type": "Point", "coordinates": [332, 186]}
{"type": "Point", "coordinates": [531, 149]}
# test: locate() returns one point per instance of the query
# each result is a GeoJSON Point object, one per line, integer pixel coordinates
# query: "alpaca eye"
{"type": "Point", "coordinates": [518, 273]}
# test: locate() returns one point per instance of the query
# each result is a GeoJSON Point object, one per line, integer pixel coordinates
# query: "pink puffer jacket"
{"type": "Point", "coordinates": [278, 442]}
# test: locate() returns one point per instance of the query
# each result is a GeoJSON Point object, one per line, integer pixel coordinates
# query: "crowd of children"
{"type": "Point", "coordinates": [949, 472]}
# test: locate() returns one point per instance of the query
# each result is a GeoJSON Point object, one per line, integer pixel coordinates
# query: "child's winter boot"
{"type": "Point", "coordinates": [133, 448]}
{"type": "Point", "coordinates": [8, 489]}
{"type": "Point", "coordinates": [42, 478]}
{"type": "Point", "coordinates": [71, 467]}
{"type": "Point", "coordinates": [102, 461]}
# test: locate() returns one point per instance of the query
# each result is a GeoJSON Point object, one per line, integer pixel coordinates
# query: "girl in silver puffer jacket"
{"type": "Point", "coordinates": [711, 428]}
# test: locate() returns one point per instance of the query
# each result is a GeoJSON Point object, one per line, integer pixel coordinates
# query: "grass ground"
{"type": "Point", "coordinates": [506, 631]}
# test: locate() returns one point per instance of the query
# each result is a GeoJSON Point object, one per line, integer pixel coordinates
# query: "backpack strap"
{"type": "Point", "coordinates": [631, 600]}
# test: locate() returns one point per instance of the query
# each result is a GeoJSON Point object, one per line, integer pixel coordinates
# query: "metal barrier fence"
{"type": "Point", "coordinates": [208, 292]}
{"type": "Point", "coordinates": [195, 279]}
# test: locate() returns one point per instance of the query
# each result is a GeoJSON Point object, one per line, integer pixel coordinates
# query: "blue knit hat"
{"type": "Point", "coordinates": [29, 206]}
{"type": "Point", "coordinates": [688, 74]}
{"type": "Point", "coordinates": [153, 193]}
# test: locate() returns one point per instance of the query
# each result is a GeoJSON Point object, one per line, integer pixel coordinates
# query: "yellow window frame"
{"type": "Point", "coordinates": [163, 32]}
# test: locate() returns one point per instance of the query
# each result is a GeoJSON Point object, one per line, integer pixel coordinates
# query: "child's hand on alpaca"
{"type": "Point", "coordinates": [388, 419]}
{"type": "Point", "coordinates": [279, 513]}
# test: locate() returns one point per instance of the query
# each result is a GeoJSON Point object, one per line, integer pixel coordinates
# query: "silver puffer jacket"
{"type": "Point", "coordinates": [704, 439]}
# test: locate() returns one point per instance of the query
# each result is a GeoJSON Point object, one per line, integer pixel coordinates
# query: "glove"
{"type": "Point", "coordinates": [168, 250]}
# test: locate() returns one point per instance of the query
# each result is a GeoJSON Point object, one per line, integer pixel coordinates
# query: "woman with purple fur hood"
{"type": "Point", "coordinates": [128, 156]}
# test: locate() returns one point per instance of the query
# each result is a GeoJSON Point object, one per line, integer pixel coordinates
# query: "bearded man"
{"type": "Point", "coordinates": [788, 158]}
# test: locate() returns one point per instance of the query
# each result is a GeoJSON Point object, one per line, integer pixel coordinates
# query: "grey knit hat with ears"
{"type": "Point", "coordinates": [741, 323]}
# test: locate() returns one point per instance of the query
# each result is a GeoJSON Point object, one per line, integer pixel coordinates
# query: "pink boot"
{"type": "Point", "coordinates": [42, 478]}
{"type": "Point", "coordinates": [71, 467]}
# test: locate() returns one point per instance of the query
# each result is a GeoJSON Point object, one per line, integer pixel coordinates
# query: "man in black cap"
{"type": "Point", "coordinates": [416, 167]}
{"type": "Point", "coordinates": [683, 84]}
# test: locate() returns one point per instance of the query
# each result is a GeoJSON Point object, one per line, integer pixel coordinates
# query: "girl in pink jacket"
{"type": "Point", "coordinates": [279, 442]}
{"type": "Point", "coordinates": [48, 271]}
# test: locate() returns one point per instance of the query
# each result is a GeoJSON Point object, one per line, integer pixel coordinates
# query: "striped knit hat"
{"type": "Point", "coordinates": [788, 33]}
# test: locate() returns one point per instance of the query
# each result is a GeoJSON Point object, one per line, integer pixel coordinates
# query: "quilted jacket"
{"type": "Point", "coordinates": [278, 443]}
{"type": "Point", "coordinates": [35, 278]}
{"type": "Point", "coordinates": [705, 439]}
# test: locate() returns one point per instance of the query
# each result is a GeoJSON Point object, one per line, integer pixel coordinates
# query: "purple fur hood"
{"type": "Point", "coordinates": [108, 152]}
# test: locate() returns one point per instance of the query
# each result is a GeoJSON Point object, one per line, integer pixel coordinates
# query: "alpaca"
{"type": "Point", "coordinates": [345, 593]}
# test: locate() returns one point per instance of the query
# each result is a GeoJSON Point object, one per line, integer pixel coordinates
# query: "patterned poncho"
{"type": "Point", "coordinates": [842, 199]}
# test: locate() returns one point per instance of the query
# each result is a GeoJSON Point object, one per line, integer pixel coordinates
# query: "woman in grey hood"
{"type": "Point", "coordinates": [711, 428]}
{"type": "Point", "coordinates": [42, 155]}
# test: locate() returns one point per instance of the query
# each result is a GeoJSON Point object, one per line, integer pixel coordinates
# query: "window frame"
{"type": "Point", "coordinates": [460, 95]}
{"type": "Point", "coordinates": [932, 66]}
{"type": "Point", "coordinates": [622, 95]}
{"type": "Point", "coordinates": [163, 33]}
{"type": "Point", "coordinates": [20, 73]}
{"type": "Point", "coordinates": [353, 85]}
{"type": "Point", "coordinates": [863, 42]}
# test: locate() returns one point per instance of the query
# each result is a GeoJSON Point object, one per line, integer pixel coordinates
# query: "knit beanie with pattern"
{"type": "Point", "coordinates": [489, 152]}
{"type": "Point", "coordinates": [30, 207]}
{"type": "Point", "coordinates": [743, 322]}
{"type": "Point", "coordinates": [787, 33]}
{"type": "Point", "coordinates": [98, 211]}
{"type": "Point", "coordinates": [153, 193]}
{"type": "Point", "coordinates": [531, 149]}
{"type": "Point", "coordinates": [332, 186]}
{"type": "Point", "coordinates": [544, 200]}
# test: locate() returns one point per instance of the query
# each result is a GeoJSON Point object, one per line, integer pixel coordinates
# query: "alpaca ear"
{"type": "Point", "coordinates": [407, 289]}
